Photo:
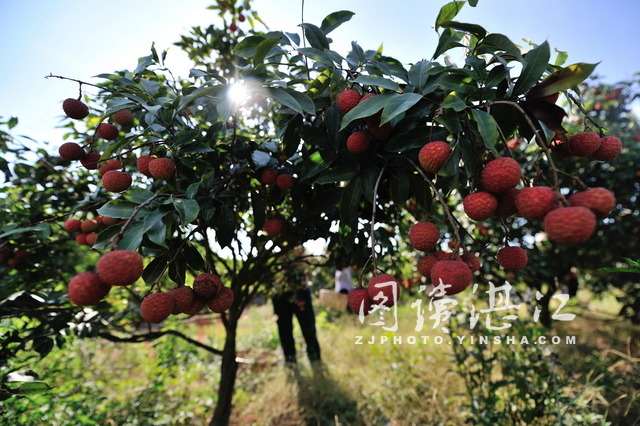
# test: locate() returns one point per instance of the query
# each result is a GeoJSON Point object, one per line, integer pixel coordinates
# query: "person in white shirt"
{"type": "Point", "coordinates": [343, 280]}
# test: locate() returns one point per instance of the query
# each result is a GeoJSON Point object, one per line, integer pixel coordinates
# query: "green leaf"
{"type": "Point", "coordinates": [26, 388]}
{"type": "Point", "coordinates": [119, 209]}
{"type": "Point", "coordinates": [454, 102]}
{"type": "Point", "coordinates": [315, 36]}
{"type": "Point", "coordinates": [153, 271]}
{"type": "Point", "coordinates": [448, 12]}
{"type": "Point", "coordinates": [132, 237]}
{"type": "Point", "coordinates": [366, 108]}
{"type": "Point", "coordinates": [247, 47]}
{"type": "Point", "coordinates": [385, 83]}
{"type": "Point", "coordinates": [536, 62]}
{"type": "Point", "coordinates": [334, 20]}
{"type": "Point", "coordinates": [448, 40]}
{"type": "Point", "coordinates": [418, 74]}
{"type": "Point", "coordinates": [187, 209]}
{"type": "Point", "coordinates": [283, 97]}
{"type": "Point", "coordinates": [263, 49]}
{"type": "Point", "coordinates": [303, 100]}
{"type": "Point", "coordinates": [350, 201]}
{"type": "Point", "coordinates": [337, 175]}
{"type": "Point", "coordinates": [317, 55]}
{"type": "Point", "coordinates": [562, 79]}
{"type": "Point", "coordinates": [138, 195]}
{"type": "Point", "coordinates": [468, 28]}
{"type": "Point", "coordinates": [400, 188]}
{"type": "Point", "coordinates": [43, 228]}
{"type": "Point", "coordinates": [398, 104]}
{"type": "Point", "coordinates": [496, 41]}
{"type": "Point", "coordinates": [487, 127]}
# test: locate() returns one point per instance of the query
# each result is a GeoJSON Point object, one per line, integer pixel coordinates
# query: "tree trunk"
{"type": "Point", "coordinates": [228, 371]}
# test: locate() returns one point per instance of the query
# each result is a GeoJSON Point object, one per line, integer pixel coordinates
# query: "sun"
{"type": "Point", "coordinates": [239, 93]}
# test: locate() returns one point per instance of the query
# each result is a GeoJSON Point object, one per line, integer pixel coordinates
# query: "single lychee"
{"type": "Point", "coordinates": [570, 225]}
{"type": "Point", "coordinates": [359, 301]}
{"type": "Point", "coordinates": [584, 144]}
{"type": "Point", "coordinates": [107, 131]}
{"type": "Point", "coordinates": [268, 177]}
{"type": "Point", "coordinates": [273, 227]}
{"type": "Point", "coordinates": [379, 133]}
{"type": "Point", "coordinates": [347, 100]}
{"type": "Point", "coordinates": [472, 260]}
{"type": "Point", "coordinates": [91, 238]}
{"type": "Point", "coordinates": [116, 181]}
{"type": "Point", "coordinates": [162, 168]}
{"type": "Point", "coordinates": [446, 255]}
{"type": "Point", "coordinates": [120, 267]}
{"type": "Point", "coordinates": [535, 202]}
{"type": "Point", "coordinates": [233, 27]}
{"type": "Point", "coordinates": [424, 236]}
{"type": "Point", "coordinates": [108, 221]}
{"type": "Point", "coordinates": [358, 142]}
{"type": "Point", "coordinates": [87, 289]}
{"type": "Point", "coordinates": [512, 257]}
{"type": "Point", "coordinates": [81, 239]}
{"type": "Point", "coordinates": [434, 155]}
{"type": "Point", "coordinates": [182, 298]}
{"type": "Point", "coordinates": [610, 148]}
{"type": "Point", "coordinates": [222, 301]}
{"type": "Point", "coordinates": [560, 146]}
{"type": "Point", "coordinates": [507, 203]}
{"type": "Point", "coordinates": [123, 117]}
{"type": "Point", "coordinates": [454, 275]}
{"type": "Point", "coordinates": [111, 164]}
{"type": "Point", "coordinates": [600, 200]}
{"type": "Point", "coordinates": [284, 181]}
{"type": "Point", "coordinates": [156, 307]}
{"type": "Point", "coordinates": [501, 174]}
{"type": "Point", "coordinates": [90, 161]}
{"type": "Point", "coordinates": [384, 290]}
{"type": "Point", "coordinates": [75, 108]}
{"type": "Point", "coordinates": [142, 163]}
{"type": "Point", "coordinates": [72, 225]}
{"type": "Point", "coordinates": [196, 306]}
{"type": "Point", "coordinates": [207, 285]}
{"type": "Point", "coordinates": [425, 263]}
{"type": "Point", "coordinates": [71, 151]}
{"type": "Point", "coordinates": [480, 205]}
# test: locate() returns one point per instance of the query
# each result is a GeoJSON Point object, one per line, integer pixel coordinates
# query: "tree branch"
{"type": "Point", "coordinates": [138, 338]}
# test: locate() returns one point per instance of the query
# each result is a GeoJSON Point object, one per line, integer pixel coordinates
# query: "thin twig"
{"type": "Point", "coordinates": [373, 220]}
{"type": "Point", "coordinates": [585, 113]}
{"type": "Point", "coordinates": [138, 338]}
{"type": "Point", "coordinates": [78, 81]}
{"type": "Point", "coordinates": [116, 239]}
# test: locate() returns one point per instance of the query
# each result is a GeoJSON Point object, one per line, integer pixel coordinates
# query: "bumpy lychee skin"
{"type": "Point", "coordinates": [347, 100]}
{"type": "Point", "coordinates": [507, 203]}
{"type": "Point", "coordinates": [222, 301]}
{"type": "Point", "coordinates": [120, 267]}
{"type": "Point", "coordinates": [142, 163]}
{"type": "Point", "coordinates": [268, 177]}
{"type": "Point", "coordinates": [116, 181]}
{"type": "Point", "coordinates": [358, 142]}
{"type": "Point", "coordinates": [89, 225]}
{"type": "Point", "coordinates": [87, 289]}
{"type": "Point", "coordinates": [111, 164]}
{"type": "Point", "coordinates": [162, 168]}
{"type": "Point", "coordinates": [454, 273]}
{"type": "Point", "coordinates": [182, 298]}
{"type": "Point", "coordinates": [570, 225]}
{"type": "Point", "coordinates": [207, 285]}
{"type": "Point", "coordinates": [359, 301]}
{"type": "Point", "coordinates": [72, 225]}
{"type": "Point", "coordinates": [284, 181]}
{"type": "Point", "coordinates": [480, 205]}
{"type": "Point", "coordinates": [71, 151]}
{"type": "Point", "coordinates": [123, 117]}
{"type": "Point", "coordinates": [387, 285]}
{"type": "Point", "coordinates": [501, 174]}
{"type": "Point", "coordinates": [535, 202]}
{"type": "Point", "coordinates": [584, 144]}
{"type": "Point", "coordinates": [107, 131]}
{"type": "Point", "coordinates": [472, 260]}
{"type": "Point", "coordinates": [91, 238]}
{"type": "Point", "coordinates": [273, 227]}
{"type": "Point", "coordinates": [600, 200]}
{"type": "Point", "coordinates": [446, 255]}
{"type": "Point", "coordinates": [610, 148]}
{"type": "Point", "coordinates": [81, 239]}
{"type": "Point", "coordinates": [75, 109]}
{"type": "Point", "coordinates": [425, 263]}
{"type": "Point", "coordinates": [513, 258]}
{"type": "Point", "coordinates": [434, 155]}
{"type": "Point", "coordinates": [424, 236]}
{"type": "Point", "coordinates": [156, 307]}
{"type": "Point", "coordinates": [197, 305]}
{"type": "Point", "coordinates": [90, 161]}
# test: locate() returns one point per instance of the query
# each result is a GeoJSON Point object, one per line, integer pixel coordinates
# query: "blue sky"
{"type": "Point", "coordinates": [80, 39]}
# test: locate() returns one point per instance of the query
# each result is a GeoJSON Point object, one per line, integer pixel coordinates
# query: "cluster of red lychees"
{"type": "Point", "coordinates": [87, 230]}
{"type": "Point", "coordinates": [359, 141]}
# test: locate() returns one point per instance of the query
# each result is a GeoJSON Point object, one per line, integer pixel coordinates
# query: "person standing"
{"type": "Point", "coordinates": [343, 280]}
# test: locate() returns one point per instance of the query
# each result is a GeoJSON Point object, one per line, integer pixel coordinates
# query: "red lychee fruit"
{"type": "Point", "coordinates": [116, 181]}
{"type": "Point", "coordinates": [72, 225]}
{"type": "Point", "coordinates": [434, 155]}
{"type": "Point", "coordinates": [358, 142]}
{"type": "Point", "coordinates": [87, 289]}
{"type": "Point", "coordinates": [379, 133]}
{"type": "Point", "coordinates": [501, 174]}
{"type": "Point", "coordinates": [91, 238]}
{"type": "Point", "coordinates": [507, 203]}
{"type": "Point", "coordinates": [445, 255]}
{"type": "Point", "coordinates": [233, 27]}
{"type": "Point", "coordinates": [120, 267]}
{"type": "Point", "coordinates": [90, 161]}
{"type": "Point", "coordinates": [142, 163]}
{"type": "Point", "coordinates": [480, 205]}
{"type": "Point", "coordinates": [454, 273]}
{"type": "Point", "coordinates": [156, 307]}
{"type": "Point", "coordinates": [367, 96]}
{"type": "Point", "coordinates": [610, 148]}
{"type": "Point", "coordinates": [89, 225]}
{"type": "Point", "coordinates": [21, 253]}
{"type": "Point", "coordinates": [111, 164]}
{"type": "Point", "coordinates": [512, 257]}
{"type": "Point", "coordinates": [222, 301]}
{"type": "Point", "coordinates": [161, 168]}
{"type": "Point", "coordinates": [71, 151]}
{"type": "Point", "coordinates": [268, 177]}
{"type": "Point", "coordinates": [284, 181]}
{"type": "Point", "coordinates": [123, 117]}
{"type": "Point", "coordinates": [359, 301]}
{"type": "Point", "coordinates": [107, 131]}
{"type": "Point", "coordinates": [81, 239]}
{"type": "Point", "coordinates": [207, 285]}
{"type": "Point", "coordinates": [108, 221]}
{"type": "Point", "coordinates": [347, 100]}
{"type": "Point", "coordinates": [600, 200]}
{"type": "Point", "coordinates": [560, 146]}
{"type": "Point", "coordinates": [425, 263]}
{"type": "Point", "coordinates": [182, 299]}
{"type": "Point", "coordinates": [75, 108]}
{"type": "Point", "coordinates": [424, 236]}
{"type": "Point", "coordinates": [273, 227]}
{"type": "Point", "coordinates": [535, 202]}
{"type": "Point", "coordinates": [241, 17]}
{"type": "Point", "coordinates": [584, 144]}
{"type": "Point", "coordinates": [472, 260]}
{"type": "Point", "coordinates": [570, 225]}
{"type": "Point", "coordinates": [388, 286]}
{"type": "Point", "coordinates": [196, 306]}
{"type": "Point", "coordinates": [552, 98]}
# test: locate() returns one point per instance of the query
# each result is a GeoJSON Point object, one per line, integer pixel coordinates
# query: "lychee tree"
{"type": "Point", "coordinates": [275, 140]}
